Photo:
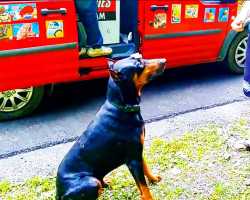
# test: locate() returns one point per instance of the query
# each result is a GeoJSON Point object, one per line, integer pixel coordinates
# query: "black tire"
{"type": "Point", "coordinates": [32, 104]}
{"type": "Point", "coordinates": [231, 63]}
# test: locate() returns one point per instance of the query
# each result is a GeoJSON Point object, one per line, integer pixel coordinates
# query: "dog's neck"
{"type": "Point", "coordinates": [123, 94]}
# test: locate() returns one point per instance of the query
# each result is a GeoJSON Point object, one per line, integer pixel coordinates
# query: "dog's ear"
{"type": "Point", "coordinates": [117, 76]}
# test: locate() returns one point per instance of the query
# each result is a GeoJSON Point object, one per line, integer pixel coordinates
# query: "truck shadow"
{"type": "Point", "coordinates": [88, 94]}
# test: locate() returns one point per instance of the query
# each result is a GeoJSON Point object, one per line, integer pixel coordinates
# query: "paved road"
{"type": "Point", "coordinates": [72, 106]}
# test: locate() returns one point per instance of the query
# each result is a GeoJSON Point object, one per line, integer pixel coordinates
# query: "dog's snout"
{"type": "Point", "coordinates": [162, 63]}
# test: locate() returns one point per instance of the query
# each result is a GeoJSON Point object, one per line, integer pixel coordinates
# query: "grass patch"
{"type": "Point", "coordinates": [198, 166]}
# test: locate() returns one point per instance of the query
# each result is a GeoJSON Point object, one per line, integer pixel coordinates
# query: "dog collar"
{"type": "Point", "coordinates": [126, 108]}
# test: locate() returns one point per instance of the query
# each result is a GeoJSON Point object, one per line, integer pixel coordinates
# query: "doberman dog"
{"type": "Point", "coordinates": [115, 136]}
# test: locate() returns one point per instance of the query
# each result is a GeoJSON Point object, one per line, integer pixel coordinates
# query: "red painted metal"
{"type": "Point", "coordinates": [94, 63]}
{"type": "Point", "coordinates": [187, 50]}
{"type": "Point", "coordinates": [41, 68]}
{"type": "Point", "coordinates": [93, 75]}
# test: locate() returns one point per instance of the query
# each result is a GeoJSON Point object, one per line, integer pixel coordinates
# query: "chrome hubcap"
{"type": "Point", "coordinates": [241, 52]}
{"type": "Point", "coordinates": [13, 100]}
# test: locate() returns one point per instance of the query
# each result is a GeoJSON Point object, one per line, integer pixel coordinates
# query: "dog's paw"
{"type": "Point", "coordinates": [106, 182]}
{"type": "Point", "coordinates": [155, 178]}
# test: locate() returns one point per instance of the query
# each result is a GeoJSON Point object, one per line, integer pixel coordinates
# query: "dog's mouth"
{"type": "Point", "coordinates": [158, 71]}
{"type": "Point", "coordinates": [152, 77]}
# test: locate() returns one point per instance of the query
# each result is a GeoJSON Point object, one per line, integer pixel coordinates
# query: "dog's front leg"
{"type": "Point", "coordinates": [106, 182]}
{"type": "Point", "coordinates": [136, 168]}
{"type": "Point", "coordinates": [151, 177]}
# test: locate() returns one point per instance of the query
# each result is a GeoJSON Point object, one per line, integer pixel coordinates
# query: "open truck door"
{"type": "Point", "coordinates": [38, 46]}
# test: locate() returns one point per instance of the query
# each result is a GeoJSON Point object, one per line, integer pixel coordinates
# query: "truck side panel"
{"type": "Point", "coordinates": [40, 45]}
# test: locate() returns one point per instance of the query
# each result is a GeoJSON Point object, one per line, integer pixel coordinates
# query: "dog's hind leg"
{"type": "Point", "coordinates": [136, 169]}
{"type": "Point", "coordinates": [86, 188]}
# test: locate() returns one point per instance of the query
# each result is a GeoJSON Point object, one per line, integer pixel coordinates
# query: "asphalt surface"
{"type": "Point", "coordinates": [72, 106]}
{"type": "Point", "coordinates": [45, 162]}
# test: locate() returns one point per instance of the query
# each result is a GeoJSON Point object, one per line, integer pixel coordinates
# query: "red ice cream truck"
{"type": "Point", "coordinates": [39, 45]}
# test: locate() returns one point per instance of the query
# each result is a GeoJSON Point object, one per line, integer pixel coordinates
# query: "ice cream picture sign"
{"type": "Point", "coordinates": [22, 12]}
{"type": "Point", "coordinates": [15, 22]}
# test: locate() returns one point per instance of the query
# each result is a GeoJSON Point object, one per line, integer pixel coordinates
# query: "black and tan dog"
{"type": "Point", "coordinates": [115, 136]}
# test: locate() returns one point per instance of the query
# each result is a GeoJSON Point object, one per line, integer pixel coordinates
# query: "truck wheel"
{"type": "Point", "coordinates": [18, 103]}
{"type": "Point", "coordinates": [236, 56]}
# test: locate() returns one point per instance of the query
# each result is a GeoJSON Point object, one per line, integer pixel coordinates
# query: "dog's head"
{"type": "Point", "coordinates": [129, 75]}
{"type": "Point", "coordinates": [136, 71]}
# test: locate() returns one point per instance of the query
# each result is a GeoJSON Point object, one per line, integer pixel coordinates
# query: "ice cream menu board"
{"type": "Point", "coordinates": [25, 30]}
{"type": "Point", "coordinates": [6, 32]}
{"type": "Point", "coordinates": [4, 13]}
{"type": "Point", "coordinates": [22, 12]}
{"type": "Point", "coordinates": [5, 28]}
{"type": "Point", "coordinates": [15, 22]}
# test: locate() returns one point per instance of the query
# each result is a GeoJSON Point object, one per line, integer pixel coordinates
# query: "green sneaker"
{"type": "Point", "coordinates": [103, 51]}
{"type": "Point", "coordinates": [83, 51]}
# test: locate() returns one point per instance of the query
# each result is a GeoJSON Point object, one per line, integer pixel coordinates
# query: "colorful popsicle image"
{"type": "Point", "coordinates": [22, 12]}
{"type": "Point", "coordinates": [209, 15]}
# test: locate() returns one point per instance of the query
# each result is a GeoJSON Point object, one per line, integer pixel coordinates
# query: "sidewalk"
{"type": "Point", "coordinates": [232, 121]}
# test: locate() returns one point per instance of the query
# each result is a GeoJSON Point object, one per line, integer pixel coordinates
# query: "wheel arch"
{"type": "Point", "coordinates": [227, 42]}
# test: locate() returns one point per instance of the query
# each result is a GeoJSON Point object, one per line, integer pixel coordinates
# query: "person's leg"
{"type": "Point", "coordinates": [240, 145]}
{"type": "Point", "coordinates": [82, 51]}
{"type": "Point", "coordinates": [79, 38]}
{"type": "Point", "coordinates": [246, 81]}
{"type": "Point", "coordinates": [87, 11]}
